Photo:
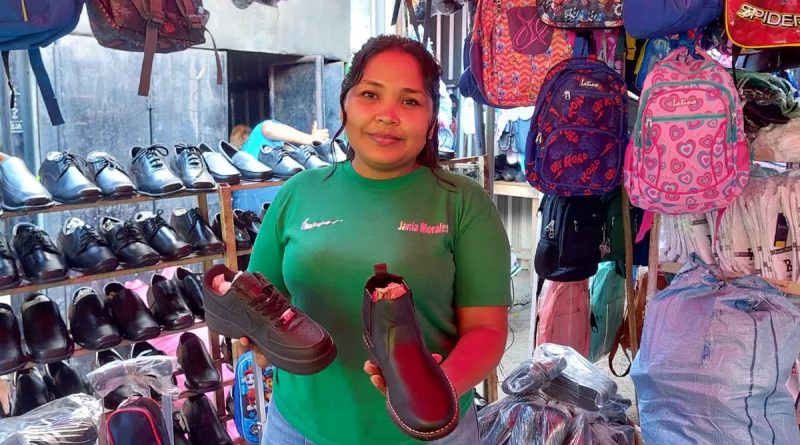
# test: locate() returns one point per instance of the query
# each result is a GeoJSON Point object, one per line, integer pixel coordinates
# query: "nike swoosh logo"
{"type": "Point", "coordinates": [309, 225]}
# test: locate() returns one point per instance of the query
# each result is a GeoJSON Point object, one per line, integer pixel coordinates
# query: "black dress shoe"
{"type": "Point", "coordinates": [161, 237]}
{"type": "Point", "coordinates": [115, 398]}
{"type": "Point", "coordinates": [190, 167]}
{"type": "Point", "coordinates": [167, 304]}
{"type": "Point", "coordinates": [192, 227]}
{"type": "Point", "coordinates": [306, 156]}
{"type": "Point", "coordinates": [151, 176]}
{"type": "Point", "coordinates": [84, 249]}
{"type": "Point", "coordinates": [278, 159]}
{"type": "Point", "coordinates": [205, 428]}
{"type": "Point", "coordinates": [106, 171]}
{"type": "Point", "coordinates": [63, 380]}
{"type": "Point", "coordinates": [145, 349]}
{"type": "Point", "coordinates": [42, 262]}
{"type": "Point", "coordinates": [20, 188]}
{"type": "Point", "coordinates": [243, 241]}
{"type": "Point", "coordinates": [46, 336]}
{"type": "Point", "coordinates": [62, 173]}
{"type": "Point", "coordinates": [31, 392]}
{"type": "Point", "coordinates": [251, 168]}
{"type": "Point", "coordinates": [179, 428]}
{"type": "Point", "coordinates": [90, 321]}
{"type": "Point", "coordinates": [223, 171]}
{"type": "Point", "coordinates": [134, 321]}
{"type": "Point", "coordinates": [11, 356]}
{"type": "Point", "coordinates": [191, 287]}
{"type": "Point", "coordinates": [9, 275]}
{"type": "Point", "coordinates": [249, 221]}
{"type": "Point", "coordinates": [197, 365]}
{"type": "Point", "coordinates": [420, 397]}
{"type": "Point", "coordinates": [330, 151]}
{"type": "Point", "coordinates": [127, 243]}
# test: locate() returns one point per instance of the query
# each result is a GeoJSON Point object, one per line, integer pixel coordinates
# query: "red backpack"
{"type": "Point", "coordinates": [763, 23]}
{"type": "Point", "coordinates": [150, 26]}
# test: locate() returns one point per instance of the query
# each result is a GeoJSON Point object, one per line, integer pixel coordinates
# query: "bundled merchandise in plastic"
{"type": "Point", "coordinates": [74, 419]}
{"type": "Point", "coordinates": [557, 398]}
{"type": "Point", "coordinates": [714, 361]}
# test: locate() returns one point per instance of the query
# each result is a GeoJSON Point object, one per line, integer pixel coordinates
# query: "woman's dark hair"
{"type": "Point", "coordinates": [431, 74]}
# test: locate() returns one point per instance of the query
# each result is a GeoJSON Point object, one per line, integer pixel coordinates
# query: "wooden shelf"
{"type": "Point", "coordinates": [789, 287]}
{"type": "Point", "coordinates": [252, 185]}
{"type": "Point", "coordinates": [518, 189]}
{"type": "Point", "coordinates": [80, 279]}
{"type": "Point", "coordinates": [244, 252]}
{"type": "Point", "coordinates": [102, 203]}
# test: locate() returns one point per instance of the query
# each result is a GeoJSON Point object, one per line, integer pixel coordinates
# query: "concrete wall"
{"type": "Point", "coordinates": [301, 27]}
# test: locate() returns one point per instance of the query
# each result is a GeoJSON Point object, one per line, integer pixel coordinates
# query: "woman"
{"type": "Point", "coordinates": [328, 227]}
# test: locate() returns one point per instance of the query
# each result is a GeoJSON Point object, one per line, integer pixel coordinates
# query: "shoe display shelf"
{"type": "Point", "coordinates": [230, 257]}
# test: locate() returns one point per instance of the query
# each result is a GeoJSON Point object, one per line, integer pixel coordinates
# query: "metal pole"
{"type": "Point", "coordinates": [5, 117]}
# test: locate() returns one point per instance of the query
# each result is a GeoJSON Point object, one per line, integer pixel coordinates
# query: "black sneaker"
{"type": "Point", "coordinates": [251, 307]}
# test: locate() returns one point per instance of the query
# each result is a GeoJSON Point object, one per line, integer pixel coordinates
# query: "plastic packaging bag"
{"type": "Point", "coordinates": [73, 420]}
{"type": "Point", "coordinates": [140, 374]}
{"type": "Point", "coordinates": [523, 421]}
{"type": "Point", "coordinates": [531, 375]}
{"type": "Point", "coordinates": [581, 383]}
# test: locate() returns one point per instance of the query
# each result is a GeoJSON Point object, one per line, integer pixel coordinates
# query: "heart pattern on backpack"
{"type": "Point", "coordinates": [707, 141]}
{"type": "Point", "coordinates": [676, 133]}
{"type": "Point", "coordinates": [718, 168]}
{"type": "Point", "coordinates": [650, 163]}
{"type": "Point", "coordinates": [686, 177]}
{"type": "Point", "coordinates": [677, 166]}
{"type": "Point", "coordinates": [705, 180]}
{"type": "Point", "coordinates": [686, 149]}
{"type": "Point", "coordinates": [670, 187]}
{"type": "Point", "coordinates": [694, 125]}
{"type": "Point", "coordinates": [704, 158]}
{"type": "Point", "coordinates": [713, 123]}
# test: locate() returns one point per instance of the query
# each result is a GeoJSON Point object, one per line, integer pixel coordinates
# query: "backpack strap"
{"type": "Point", "coordinates": [7, 69]}
{"type": "Point", "coordinates": [647, 223]}
{"type": "Point", "coordinates": [154, 23]}
{"type": "Point", "coordinates": [45, 87]}
{"type": "Point", "coordinates": [615, 346]}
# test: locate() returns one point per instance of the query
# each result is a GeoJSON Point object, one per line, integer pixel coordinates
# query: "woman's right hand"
{"type": "Point", "coordinates": [260, 358]}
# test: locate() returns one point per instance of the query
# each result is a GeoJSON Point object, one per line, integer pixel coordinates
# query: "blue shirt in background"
{"type": "Point", "coordinates": [256, 140]}
{"type": "Point", "coordinates": [253, 199]}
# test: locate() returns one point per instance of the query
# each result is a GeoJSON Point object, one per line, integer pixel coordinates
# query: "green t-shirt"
{"type": "Point", "coordinates": [319, 241]}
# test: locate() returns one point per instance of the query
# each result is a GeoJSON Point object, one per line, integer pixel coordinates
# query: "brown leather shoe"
{"type": "Point", "coordinates": [420, 398]}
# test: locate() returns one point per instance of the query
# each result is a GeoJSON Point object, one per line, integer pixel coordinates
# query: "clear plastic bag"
{"type": "Point", "coordinates": [523, 421]}
{"type": "Point", "coordinates": [581, 383]}
{"type": "Point", "coordinates": [73, 420]}
{"type": "Point", "coordinates": [592, 429]}
{"type": "Point", "coordinates": [531, 375]}
{"type": "Point", "coordinates": [140, 374]}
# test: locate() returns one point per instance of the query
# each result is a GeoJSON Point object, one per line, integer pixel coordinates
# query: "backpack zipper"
{"type": "Point", "coordinates": [24, 10]}
{"type": "Point", "coordinates": [648, 121]}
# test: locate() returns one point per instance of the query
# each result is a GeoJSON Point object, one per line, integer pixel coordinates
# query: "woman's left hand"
{"type": "Point", "coordinates": [376, 377]}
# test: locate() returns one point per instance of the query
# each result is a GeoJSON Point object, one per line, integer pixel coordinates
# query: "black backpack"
{"type": "Point", "coordinates": [614, 247]}
{"type": "Point", "coordinates": [572, 232]}
{"type": "Point", "coordinates": [137, 421]}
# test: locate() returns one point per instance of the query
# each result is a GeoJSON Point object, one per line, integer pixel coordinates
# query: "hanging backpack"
{"type": "Point", "coordinates": [763, 23]}
{"type": "Point", "coordinates": [149, 26]}
{"type": "Point", "coordinates": [645, 19]}
{"type": "Point", "coordinates": [564, 315]}
{"type": "Point", "coordinates": [614, 244]}
{"type": "Point", "coordinates": [607, 294]}
{"type": "Point", "coordinates": [245, 415]}
{"type": "Point", "coordinates": [579, 130]}
{"type": "Point", "coordinates": [572, 232]}
{"type": "Point", "coordinates": [688, 153]}
{"type": "Point", "coordinates": [515, 50]}
{"type": "Point", "coordinates": [137, 421]}
{"type": "Point", "coordinates": [579, 14]}
{"type": "Point", "coordinates": [33, 24]}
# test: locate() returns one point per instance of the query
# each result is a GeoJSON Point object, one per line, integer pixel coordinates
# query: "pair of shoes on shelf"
{"type": "Point", "coordinates": [246, 225]}
{"type": "Point", "coordinates": [34, 389]}
{"type": "Point", "coordinates": [288, 160]}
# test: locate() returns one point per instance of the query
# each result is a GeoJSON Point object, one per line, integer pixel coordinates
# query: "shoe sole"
{"type": "Point", "coordinates": [227, 328]}
{"type": "Point", "coordinates": [103, 267]}
{"type": "Point", "coordinates": [419, 435]}
{"type": "Point", "coordinates": [158, 195]}
{"type": "Point", "coordinates": [194, 390]}
{"type": "Point", "coordinates": [48, 280]}
{"type": "Point", "coordinates": [30, 208]}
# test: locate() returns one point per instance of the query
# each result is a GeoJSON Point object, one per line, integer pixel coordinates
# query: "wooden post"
{"type": "Point", "coordinates": [629, 289]}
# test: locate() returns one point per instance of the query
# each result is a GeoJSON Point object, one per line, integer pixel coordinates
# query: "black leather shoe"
{"type": "Point", "coordinates": [134, 321]}
{"type": "Point", "coordinates": [106, 171]}
{"type": "Point", "coordinates": [197, 365]}
{"type": "Point", "coordinates": [420, 398]}
{"type": "Point", "coordinates": [90, 321]}
{"type": "Point", "coordinates": [20, 188]}
{"type": "Point", "coordinates": [31, 392]}
{"type": "Point", "coordinates": [192, 227]}
{"type": "Point", "coordinates": [249, 221]}
{"type": "Point", "coordinates": [9, 275]}
{"type": "Point", "coordinates": [205, 428]}
{"type": "Point", "coordinates": [251, 168]}
{"type": "Point", "coordinates": [115, 398]}
{"type": "Point", "coordinates": [306, 156]}
{"type": "Point", "coordinates": [84, 249]}
{"type": "Point", "coordinates": [145, 349]}
{"type": "Point", "coordinates": [220, 167]}
{"type": "Point", "coordinates": [62, 174]}
{"type": "Point", "coordinates": [330, 151]}
{"type": "Point", "coordinates": [167, 304]}
{"type": "Point", "coordinates": [191, 287]}
{"type": "Point", "coordinates": [278, 159]}
{"type": "Point", "coordinates": [189, 165]}
{"type": "Point", "coordinates": [42, 262]}
{"type": "Point", "coordinates": [46, 336]}
{"type": "Point", "coordinates": [161, 237]}
{"type": "Point", "coordinates": [63, 380]}
{"type": "Point", "coordinates": [127, 243]}
{"type": "Point", "coordinates": [243, 241]}
{"type": "Point", "coordinates": [151, 176]}
{"type": "Point", "coordinates": [11, 356]}
{"type": "Point", "coordinates": [179, 428]}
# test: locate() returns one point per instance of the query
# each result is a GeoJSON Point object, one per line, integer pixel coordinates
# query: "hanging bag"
{"type": "Point", "coordinates": [581, 13]}
{"type": "Point", "coordinates": [607, 294]}
{"type": "Point", "coordinates": [564, 315]}
{"type": "Point", "coordinates": [137, 421]}
{"type": "Point", "coordinates": [763, 23]}
{"type": "Point", "coordinates": [645, 19]}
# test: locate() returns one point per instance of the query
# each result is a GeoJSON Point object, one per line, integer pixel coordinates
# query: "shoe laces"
{"type": "Point", "coordinates": [33, 239]}
{"type": "Point", "coordinates": [106, 162]}
{"type": "Point", "coordinates": [128, 234]}
{"type": "Point", "coordinates": [194, 216]}
{"type": "Point", "coordinates": [272, 304]}
{"type": "Point", "coordinates": [69, 160]}
{"type": "Point", "coordinates": [88, 236]}
{"type": "Point", "coordinates": [153, 154]}
{"type": "Point", "coordinates": [155, 223]}
{"type": "Point", "coordinates": [249, 216]}
{"type": "Point", "coordinates": [193, 155]}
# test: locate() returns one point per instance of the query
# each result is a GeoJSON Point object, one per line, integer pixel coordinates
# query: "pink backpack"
{"type": "Point", "coordinates": [688, 152]}
{"type": "Point", "coordinates": [564, 315]}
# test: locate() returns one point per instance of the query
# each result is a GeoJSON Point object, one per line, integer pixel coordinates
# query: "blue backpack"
{"type": "Point", "coordinates": [607, 294]}
{"type": "Point", "coordinates": [245, 415]}
{"type": "Point", "coordinates": [33, 24]}
{"type": "Point", "coordinates": [645, 19]}
{"type": "Point", "coordinates": [579, 130]}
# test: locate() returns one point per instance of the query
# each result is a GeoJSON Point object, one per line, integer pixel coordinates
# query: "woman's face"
{"type": "Point", "coordinates": [388, 114]}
